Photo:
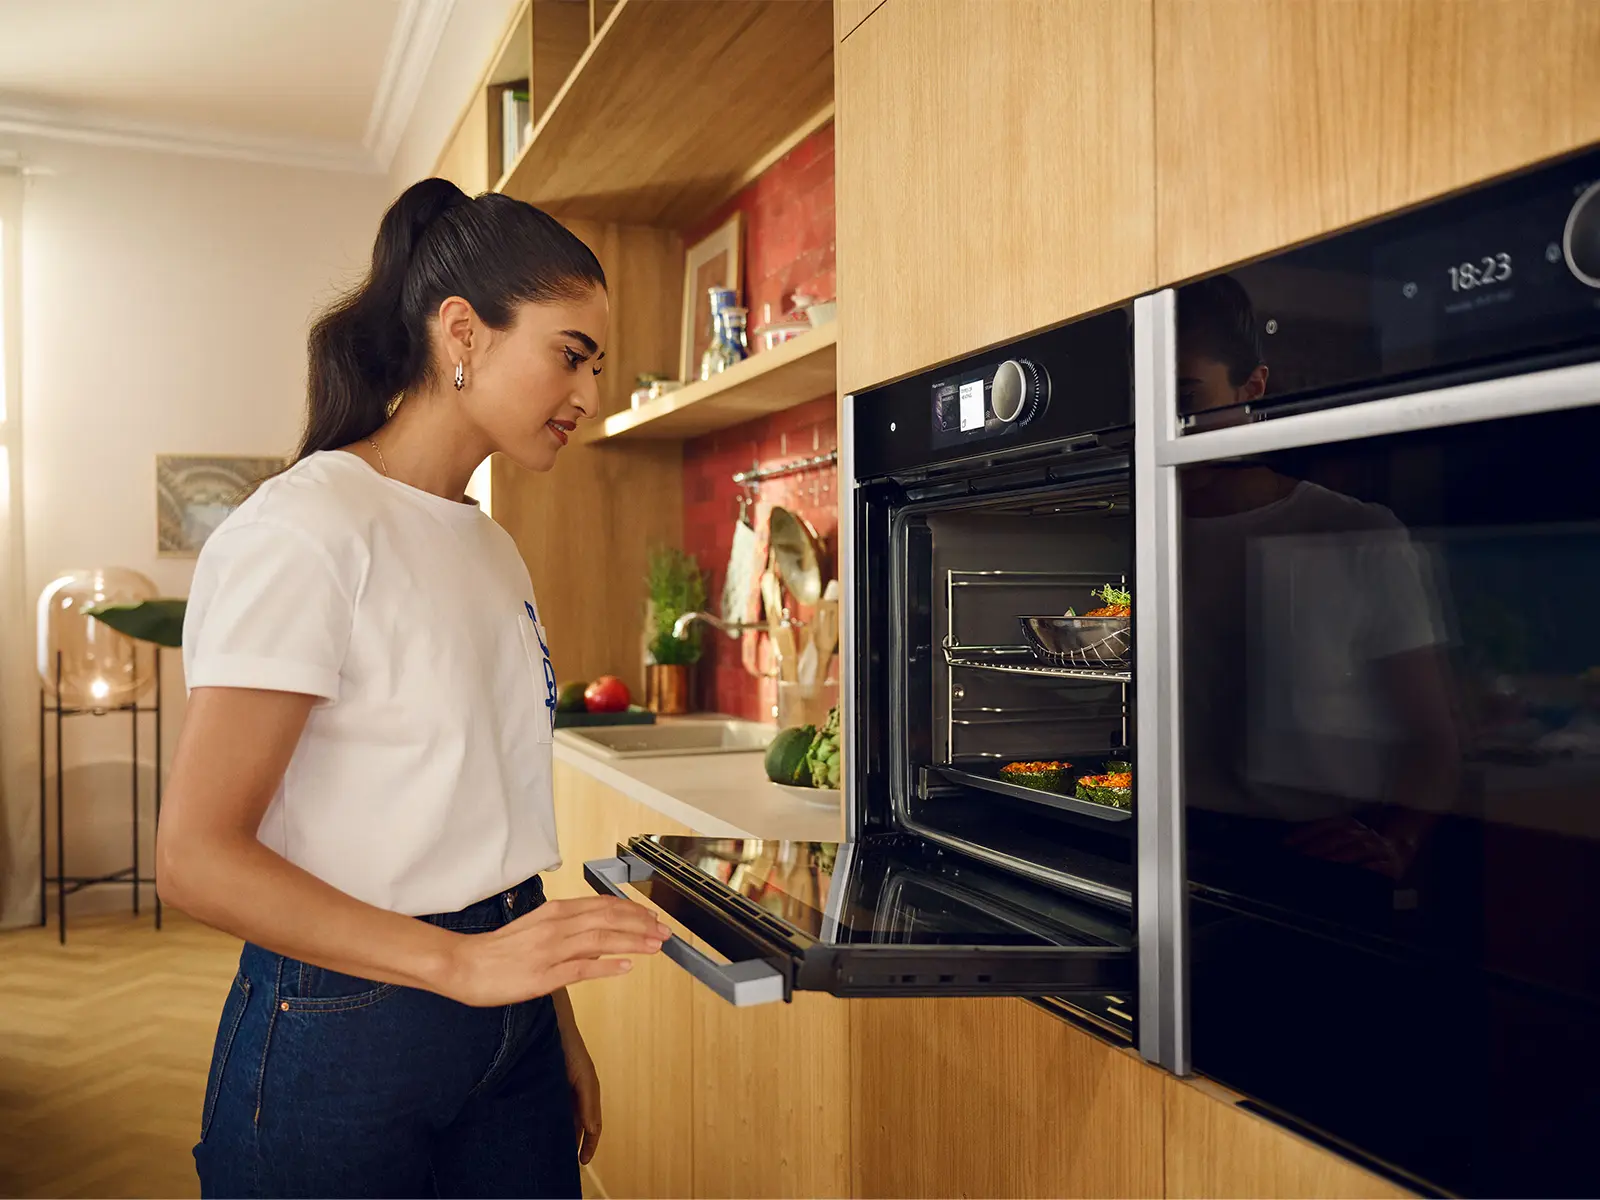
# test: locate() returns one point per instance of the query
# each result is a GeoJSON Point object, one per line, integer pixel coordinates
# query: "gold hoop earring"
{"type": "Point", "coordinates": [461, 376]}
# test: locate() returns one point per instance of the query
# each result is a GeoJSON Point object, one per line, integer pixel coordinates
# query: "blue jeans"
{"type": "Point", "coordinates": [323, 1084]}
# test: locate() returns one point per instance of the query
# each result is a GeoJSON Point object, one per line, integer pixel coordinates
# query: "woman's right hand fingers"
{"type": "Point", "coordinates": [599, 912]}
{"type": "Point", "coordinates": [560, 942]}
{"type": "Point", "coordinates": [593, 943]}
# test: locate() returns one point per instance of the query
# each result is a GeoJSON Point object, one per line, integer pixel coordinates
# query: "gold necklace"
{"type": "Point", "coordinates": [382, 466]}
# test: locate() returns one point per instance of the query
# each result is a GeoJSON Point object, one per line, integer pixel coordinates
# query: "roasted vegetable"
{"type": "Point", "coordinates": [1116, 602]}
{"type": "Point", "coordinates": [1047, 776]}
{"type": "Point", "coordinates": [823, 757]}
{"type": "Point", "coordinates": [1113, 788]}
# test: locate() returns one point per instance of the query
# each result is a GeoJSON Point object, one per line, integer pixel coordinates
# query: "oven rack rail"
{"type": "Point", "coordinates": [1018, 660]}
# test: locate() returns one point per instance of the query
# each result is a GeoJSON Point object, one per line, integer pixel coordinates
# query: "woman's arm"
{"type": "Point", "coordinates": [234, 748]}
{"type": "Point", "coordinates": [582, 1077]}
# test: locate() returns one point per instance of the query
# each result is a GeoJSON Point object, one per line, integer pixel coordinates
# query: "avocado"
{"type": "Point", "coordinates": [570, 698]}
{"type": "Point", "coordinates": [786, 756]}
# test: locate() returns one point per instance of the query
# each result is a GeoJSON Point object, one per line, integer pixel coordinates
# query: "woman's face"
{"type": "Point", "coordinates": [528, 386]}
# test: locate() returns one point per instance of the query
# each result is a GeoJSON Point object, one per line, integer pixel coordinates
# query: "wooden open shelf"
{"type": "Point", "coordinates": [671, 104]}
{"type": "Point", "coordinates": [799, 370]}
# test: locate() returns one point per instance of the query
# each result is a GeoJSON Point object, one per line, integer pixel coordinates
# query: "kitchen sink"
{"type": "Point", "coordinates": [721, 736]}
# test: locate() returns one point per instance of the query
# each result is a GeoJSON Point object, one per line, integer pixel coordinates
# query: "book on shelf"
{"type": "Point", "coordinates": [516, 126]}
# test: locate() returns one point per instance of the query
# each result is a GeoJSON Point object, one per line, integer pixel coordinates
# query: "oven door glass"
{"type": "Point", "coordinates": [889, 916]}
{"type": "Point", "coordinates": [1391, 739]}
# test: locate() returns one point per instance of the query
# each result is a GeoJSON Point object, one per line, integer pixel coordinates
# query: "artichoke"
{"type": "Point", "coordinates": [823, 757]}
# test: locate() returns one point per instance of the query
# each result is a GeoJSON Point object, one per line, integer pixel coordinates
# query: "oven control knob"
{"type": "Point", "coordinates": [1581, 240]}
{"type": "Point", "coordinates": [1020, 391]}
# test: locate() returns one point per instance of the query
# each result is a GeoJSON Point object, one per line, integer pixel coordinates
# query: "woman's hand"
{"type": "Point", "coordinates": [559, 943]}
{"type": "Point", "coordinates": [585, 1082]}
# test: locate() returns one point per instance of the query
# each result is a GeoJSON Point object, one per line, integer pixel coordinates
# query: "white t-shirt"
{"type": "Point", "coordinates": [1289, 612]}
{"type": "Point", "coordinates": [422, 782]}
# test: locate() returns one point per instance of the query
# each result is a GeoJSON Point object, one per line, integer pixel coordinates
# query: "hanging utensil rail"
{"type": "Point", "coordinates": [762, 474]}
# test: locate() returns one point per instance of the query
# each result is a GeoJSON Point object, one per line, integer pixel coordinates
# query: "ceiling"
{"type": "Point", "coordinates": [312, 82]}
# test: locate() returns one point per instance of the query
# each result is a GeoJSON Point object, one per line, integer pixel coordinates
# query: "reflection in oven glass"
{"type": "Point", "coordinates": [788, 879]}
{"type": "Point", "coordinates": [1391, 760]}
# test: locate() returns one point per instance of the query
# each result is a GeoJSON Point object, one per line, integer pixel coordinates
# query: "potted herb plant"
{"type": "Point", "coordinates": [676, 587]}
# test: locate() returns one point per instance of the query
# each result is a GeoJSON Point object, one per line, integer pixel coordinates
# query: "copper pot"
{"type": "Point", "coordinates": [666, 689]}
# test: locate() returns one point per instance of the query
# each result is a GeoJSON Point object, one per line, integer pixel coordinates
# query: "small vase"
{"type": "Point", "coordinates": [666, 689]}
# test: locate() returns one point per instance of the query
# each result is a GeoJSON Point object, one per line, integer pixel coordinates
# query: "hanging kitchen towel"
{"type": "Point", "coordinates": [742, 566]}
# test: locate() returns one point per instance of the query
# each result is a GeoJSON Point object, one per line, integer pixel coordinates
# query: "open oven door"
{"type": "Point", "coordinates": [885, 916]}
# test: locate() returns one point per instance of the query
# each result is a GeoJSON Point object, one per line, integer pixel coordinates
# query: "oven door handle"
{"type": "Point", "coordinates": [741, 984]}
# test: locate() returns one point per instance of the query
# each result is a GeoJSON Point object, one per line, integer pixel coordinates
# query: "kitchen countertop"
{"type": "Point", "coordinates": [719, 795]}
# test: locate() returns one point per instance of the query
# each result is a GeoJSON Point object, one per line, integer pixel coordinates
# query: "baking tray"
{"type": "Point", "coordinates": [1083, 808]}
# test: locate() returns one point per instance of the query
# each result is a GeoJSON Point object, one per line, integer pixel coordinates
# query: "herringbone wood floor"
{"type": "Point", "coordinates": [104, 1046]}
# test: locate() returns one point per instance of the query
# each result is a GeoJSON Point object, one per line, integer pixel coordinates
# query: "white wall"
{"type": "Point", "coordinates": [166, 300]}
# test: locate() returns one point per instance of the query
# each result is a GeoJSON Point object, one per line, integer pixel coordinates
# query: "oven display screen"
{"type": "Point", "coordinates": [962, 408]}
{"type": "Point", "coordinates": [1464, 284]}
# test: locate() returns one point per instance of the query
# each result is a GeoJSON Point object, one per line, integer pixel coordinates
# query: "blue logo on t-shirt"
{"type": "Point", "coordinates": [549, 671]}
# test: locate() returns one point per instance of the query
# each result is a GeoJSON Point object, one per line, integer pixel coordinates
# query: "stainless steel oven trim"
{"type": "Point", "coordinates": [1486, 400]}
{"type": "Point", "coordinates": [1106, 894]}
{"type": "Point", "coordinates": [853, 736]}
{"type": "Point", "coordinates": [1160, 894]}
{"type": "Point", "coordinates": [833, 912]}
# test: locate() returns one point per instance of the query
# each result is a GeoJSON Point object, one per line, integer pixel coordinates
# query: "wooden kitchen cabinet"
{"type": "Point", "coordinates": [772, 1097]}
{"type": "Point", "coordinates": [847, 14]}
{"type": "Point", "coordinates": [995, 174]}
{"type": "Point", "coordinates": [465, 161]}
{"type": "Point", "coordinates": [638, 1028]}
{"type": "Point", "coordinates": [1216, 1149]}
{"type": "Point", "coordinates": [997, 1098]}
{"type": "Point", "coordinates": [1278, 121]}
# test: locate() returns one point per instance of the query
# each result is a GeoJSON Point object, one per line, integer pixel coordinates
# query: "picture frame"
{"type": "Point", "coordinates": [196, 492]}
{"type": "Point", "coordinates": [716, 260]}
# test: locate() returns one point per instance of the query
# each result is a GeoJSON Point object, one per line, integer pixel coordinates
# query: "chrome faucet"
{"type": "Point", "coordinates": [680, 628]}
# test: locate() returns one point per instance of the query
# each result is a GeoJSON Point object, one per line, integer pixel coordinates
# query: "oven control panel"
{"type": "Point", "coordinates": [988, 401]}
{"type": "Point", "coordinates": [1580, 240]}
{"type": "Point", "coordinates": [1466, 286]}
{"type": "Point", "coordinates": [1067, 382]}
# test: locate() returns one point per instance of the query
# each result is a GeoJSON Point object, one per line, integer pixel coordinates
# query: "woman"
{"type": "Point", "coordinates": [368, 743]}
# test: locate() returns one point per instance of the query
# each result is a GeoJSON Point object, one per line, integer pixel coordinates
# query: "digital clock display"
{"type": "Point", "coordinates": [1482, 272]}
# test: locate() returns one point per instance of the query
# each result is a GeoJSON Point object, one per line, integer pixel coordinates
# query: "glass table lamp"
{"type": "Point", "coordinates": [101, 669]}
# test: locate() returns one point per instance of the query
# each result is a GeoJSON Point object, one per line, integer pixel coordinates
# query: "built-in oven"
{"type": "Point", "coordinates": [1373, 487]}
{"type": "Point", "coordinates": [990, 806]}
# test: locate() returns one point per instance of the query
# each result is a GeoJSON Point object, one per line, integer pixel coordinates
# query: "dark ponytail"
{"type": "Point", "coordinates": [434, 242]}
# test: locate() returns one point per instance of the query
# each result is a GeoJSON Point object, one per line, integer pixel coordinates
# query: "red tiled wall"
{"type": "Point", "coordinates": [788, 228]}
{"type": "Point", "coordinates": [788, 247]}
{"type": "Point", "coordinates": [711, 506]}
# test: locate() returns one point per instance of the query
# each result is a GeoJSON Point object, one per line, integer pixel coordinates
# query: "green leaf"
{"type": "Point", "coordinates": [670, 651]}
{"type": "Point", "coordinates": [158, 621]}
{"type": "Point", "coordinates": [676, 586]}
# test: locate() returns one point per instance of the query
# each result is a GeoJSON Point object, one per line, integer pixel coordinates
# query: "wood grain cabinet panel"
{"type": "Point", "coordinates": [465, 161]}
{"type": "Point", "coordinates": [996, 1098]}
{"type": "Point", "coordinates": [847, 14]}
{"type": "Point", "coordinates": [1278, 121]}
{"type": "Point", "coordinates": [771, 1097]}
{"type": "Point", "coordinates": [995, 174]}
{"type": "Point", "coordinates": [638, 1028]}
{"type": "Point", "coordinates": [1215, 1149]}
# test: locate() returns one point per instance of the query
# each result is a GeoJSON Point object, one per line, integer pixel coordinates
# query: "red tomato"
{"type": "Point", "coordinates": [608, 694]}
